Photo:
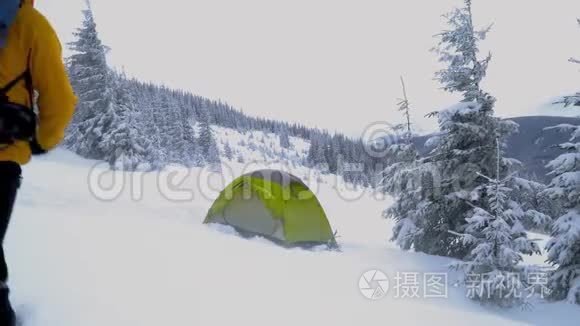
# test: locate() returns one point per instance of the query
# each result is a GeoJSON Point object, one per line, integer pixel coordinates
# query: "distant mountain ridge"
{"type": "Point", "coordinates": [532, 145]}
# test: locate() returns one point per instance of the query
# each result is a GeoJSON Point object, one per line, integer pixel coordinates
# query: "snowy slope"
{"type": "Point", "coordinates": [257, 146]}
{"type": "Point", "coordinates": [76, 260]}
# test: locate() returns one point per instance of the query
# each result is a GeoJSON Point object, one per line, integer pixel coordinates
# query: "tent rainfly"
{"type": "Point", "coordinates": [273, 204]}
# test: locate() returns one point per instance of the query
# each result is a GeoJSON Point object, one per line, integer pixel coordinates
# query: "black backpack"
{"type": "Point", "coordinates": [17, 122]}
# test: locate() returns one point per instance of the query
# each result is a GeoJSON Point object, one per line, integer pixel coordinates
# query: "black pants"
{"type": "Point", "coordinates": [10, 175]}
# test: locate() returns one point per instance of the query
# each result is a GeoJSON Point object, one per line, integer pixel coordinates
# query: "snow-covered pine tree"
{"type": "Point", "coordinates": [349, 161]}
{"type": "Point", "coordinates": [228, 153]}
{"type": "Point", "coordinates": [533, 199]}
{"type": "Point", "coordinates": [334, 155]}
{"type": "Point", "coordinates": [498, 238]}
{"type": "Point", "coordinates": [191, 152]}
{"type": "Point", "coordinates": [564, 246]}
{"type": "Point", "coordinates": [179, 133]}
{"type": "Point", "coordinates": [207, 141]}
{"type": "Point", "coordinates": [459, 48]}
{"type": "Point", "coordinates": [165, 117]}
{"type": "Point", "coordinates": [124, 144]}
{"type": "Point", "coordinates": [405, 109]}
{"type": "Point", "coordinates": [174, 132]}
{"type": "Point", "coordinates": [284, 139]}
{"type": "Point", "coordinates": [466, 146]}
{"type": "Point", "coordinates": [316, 153]}
{"type": "Point", "coordinates": [402, 181]}
{"type": "Point", "coordinates": [156, 153]}
{"type": "Point", "coordinates": [91, 79]}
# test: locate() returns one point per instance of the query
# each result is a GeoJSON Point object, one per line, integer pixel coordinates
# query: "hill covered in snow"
{"type": "Point", "coordinates": [261, 147]}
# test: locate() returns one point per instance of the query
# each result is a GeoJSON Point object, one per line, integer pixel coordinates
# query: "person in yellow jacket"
{"type": "Point", "coordinates": [30, 60]}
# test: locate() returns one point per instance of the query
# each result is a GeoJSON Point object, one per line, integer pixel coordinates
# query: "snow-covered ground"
{"type": "Point", "coordinates": [76, 260]}
{"type": "Point", "coordinates": [259, 146]}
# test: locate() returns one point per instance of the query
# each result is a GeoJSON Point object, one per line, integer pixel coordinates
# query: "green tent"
{"type": "Point", "coordinates": [275, 205]}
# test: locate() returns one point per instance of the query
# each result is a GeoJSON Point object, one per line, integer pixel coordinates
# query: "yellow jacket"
{"type": "Point", "coordinates": [32, 33]}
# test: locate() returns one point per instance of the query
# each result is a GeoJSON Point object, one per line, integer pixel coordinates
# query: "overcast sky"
{"type": "Point", "coordinates": [333, 64]}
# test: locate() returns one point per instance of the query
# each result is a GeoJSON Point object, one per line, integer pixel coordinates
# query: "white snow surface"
{"type": "Point", "coordinates": [76, 260]}
{"type": "Point", "coordinates": [261, 147]}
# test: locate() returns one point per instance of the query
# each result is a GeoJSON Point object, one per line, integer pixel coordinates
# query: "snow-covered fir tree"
{"type": "Point", "coordinates": [564, 246]}
{"type": "Point", "coordinates": [179, 135]}
{"type": "Point", "coordinates": [157, 154]}
{"type": "Point", "coordinates": [124, 144]}
{"type": "Point", "coordinates": [401, 180]}
{"type": "Point", "coordinates": [228, 153]}
{"type": "Point", "coordinates": [91, 79]}
{"type": "Point", "coordinates": [206, 141]}
{"type": "Point", "coordinates": [316, 153]}
{"type": "Point", "coordinates": [459, 48]}
{"type": "Point", "coordinates": [497, 235]}
{"type": "Point", "coordinates": [174, 132]}
{"type": "Point", "coordinates": [334, 154]}
{"type": "Point", "coordinates": [533, 198]}
{"type": "Point", "coordinates": [189, 144]}
{"type": "Point", "coordinates": [284, 139]}
{"type": "Point", "coordinates": [465, 148]}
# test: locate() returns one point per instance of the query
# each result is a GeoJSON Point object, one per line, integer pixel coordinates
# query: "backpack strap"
{"type": "Point", "coordinates": [28, 81]}
{"type": "Point", "coordinates": [13, 83]}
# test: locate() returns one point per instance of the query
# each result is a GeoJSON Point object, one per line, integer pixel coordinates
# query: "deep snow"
{"type": "Point", "coordinates": [76, 260]}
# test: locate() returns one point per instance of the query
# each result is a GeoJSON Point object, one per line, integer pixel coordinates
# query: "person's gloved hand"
{"type": "Point", "coordinates": [35, 148]}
